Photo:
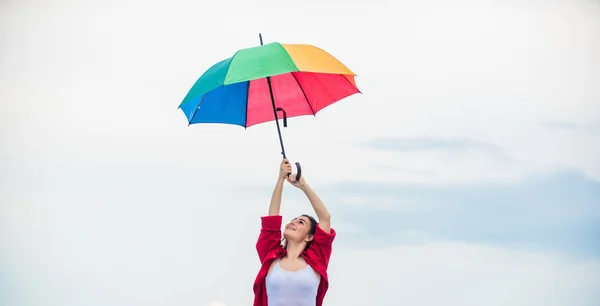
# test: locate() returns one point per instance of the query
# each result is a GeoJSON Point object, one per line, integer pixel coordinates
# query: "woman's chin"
{"type": "Point", "coordinates": [288, 235]}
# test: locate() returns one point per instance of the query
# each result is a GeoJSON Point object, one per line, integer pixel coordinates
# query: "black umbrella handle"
{"type": "Point", "coordinates": [299, 171]}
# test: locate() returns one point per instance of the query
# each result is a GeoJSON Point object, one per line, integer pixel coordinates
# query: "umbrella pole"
{"type": "Point", "coordinates": [275, 114]}
{"type": "Point", "coordinates": [299, 169]}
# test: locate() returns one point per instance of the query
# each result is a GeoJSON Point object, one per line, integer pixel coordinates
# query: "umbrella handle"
{"type": "Point", "coordinates": [298, 172]}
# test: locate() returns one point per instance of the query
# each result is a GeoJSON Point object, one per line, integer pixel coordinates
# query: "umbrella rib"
{"type": "Point", "coordinates": [303, 93]}
{"type": "Point", "coordinates": [196, 110]}
{"type": "Point", "coordinates": [247, 98]}
{"type": "Point", "coordinates": [351, 83]}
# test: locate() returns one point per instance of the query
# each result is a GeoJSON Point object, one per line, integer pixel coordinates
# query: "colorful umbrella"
{"type": "Point", "coordinates": [268, 82]}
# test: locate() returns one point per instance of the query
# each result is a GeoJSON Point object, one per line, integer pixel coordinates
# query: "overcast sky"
{"type": "Point", "coordinates": [467, 173]}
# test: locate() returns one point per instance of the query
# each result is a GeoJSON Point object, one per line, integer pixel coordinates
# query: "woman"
{"type": "Point", "coordinates": [294, 268]}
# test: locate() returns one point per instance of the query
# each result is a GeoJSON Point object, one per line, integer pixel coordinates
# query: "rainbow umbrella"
{"type": "Point", "coordinates": [268, 82]}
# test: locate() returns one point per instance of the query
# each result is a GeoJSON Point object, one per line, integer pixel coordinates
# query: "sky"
{"type": "Point", "coordinates": [467, 173]}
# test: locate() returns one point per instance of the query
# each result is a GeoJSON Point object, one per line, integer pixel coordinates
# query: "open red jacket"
{"type": "Point", "coordinates": [269, 248]}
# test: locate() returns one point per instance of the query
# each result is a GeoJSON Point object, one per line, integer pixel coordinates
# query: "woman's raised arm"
{"type": "Point", "coordinates": [318, 207]}
{"type": "Point", "coordinates": [275, 206]}
{"type": "Point", "coordinates": [315, 201]}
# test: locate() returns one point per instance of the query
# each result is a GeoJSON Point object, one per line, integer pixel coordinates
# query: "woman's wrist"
{"type": "Point", "coordinates": [305, 188]}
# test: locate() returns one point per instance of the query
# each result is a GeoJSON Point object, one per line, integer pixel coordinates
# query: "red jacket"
{"type": "Point", "coordinates": [269, 248]}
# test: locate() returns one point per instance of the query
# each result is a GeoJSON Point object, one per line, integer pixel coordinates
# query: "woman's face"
{"type": "Point", "coordinates": [298, 229]}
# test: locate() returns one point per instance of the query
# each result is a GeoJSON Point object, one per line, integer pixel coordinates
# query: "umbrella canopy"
{"type": "Point", "coordinates": [303, 80]}
{"type": "Point", "coordinates": [268, 82]}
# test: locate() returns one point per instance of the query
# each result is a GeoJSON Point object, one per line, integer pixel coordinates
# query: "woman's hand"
{"type": "Point", "coordinates": [284, 169]}
{"type": "Point", "coordinates": [300, 183]}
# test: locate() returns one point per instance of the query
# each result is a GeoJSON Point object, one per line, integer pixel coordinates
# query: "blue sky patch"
{"type": "Point", "coordinates": [558, 213]}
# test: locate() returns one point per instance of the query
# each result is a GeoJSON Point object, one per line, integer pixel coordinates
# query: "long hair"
{"type": "Point", "coordinates": [311, 231]}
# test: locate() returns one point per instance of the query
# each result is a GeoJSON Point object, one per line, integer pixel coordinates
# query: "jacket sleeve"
{"type": "Point", "coordinates": [270, 235]}
{"type": "Point", "coordinates": [322, 244]}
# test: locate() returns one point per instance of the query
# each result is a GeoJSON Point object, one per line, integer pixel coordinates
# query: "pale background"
{"type": "Point", "coordinates": [466, 174]}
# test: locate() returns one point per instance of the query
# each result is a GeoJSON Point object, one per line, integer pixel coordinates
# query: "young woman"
{"type": "Point", "coordinates": [294, 268]}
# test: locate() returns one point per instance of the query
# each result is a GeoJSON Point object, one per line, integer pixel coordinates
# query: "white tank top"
{"type": "Point", "coordinates": [298, 288]}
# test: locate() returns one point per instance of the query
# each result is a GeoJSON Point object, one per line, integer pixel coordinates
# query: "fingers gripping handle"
{"type": "Point", "coordinates": [299, 171]}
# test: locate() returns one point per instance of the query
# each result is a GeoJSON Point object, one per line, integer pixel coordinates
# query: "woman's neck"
{"type": "Point", "coordinates": [295, 249]}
